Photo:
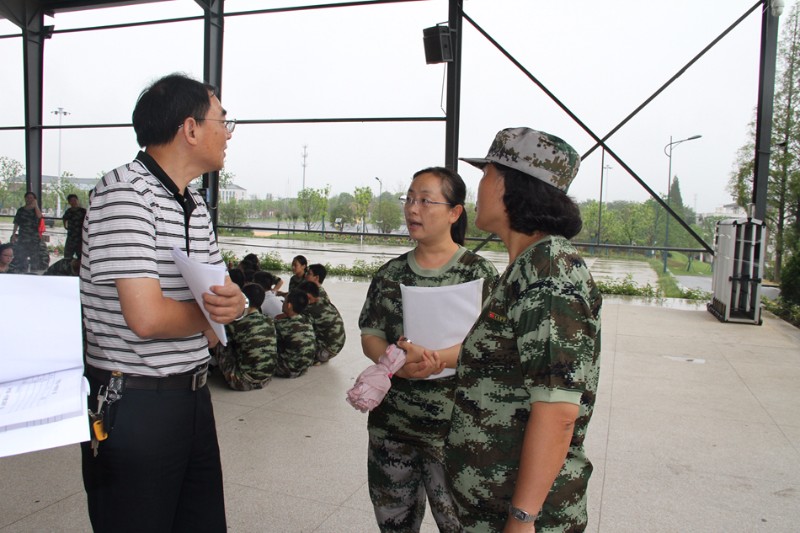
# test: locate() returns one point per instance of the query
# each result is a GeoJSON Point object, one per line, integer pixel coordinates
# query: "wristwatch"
{"type": "Point", "coordinates": [523, 516]}
{"type": "Point", "coordinates": [244, 311]}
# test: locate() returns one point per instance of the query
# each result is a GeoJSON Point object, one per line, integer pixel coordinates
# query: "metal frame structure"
{"type": "Point", "coordinates": [28, 15]}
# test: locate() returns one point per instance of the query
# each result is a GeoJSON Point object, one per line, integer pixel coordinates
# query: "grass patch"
{"type": "Point", "coordinates": [679, 264]}
{"type": "Point", "coordinates": [272, 262]}
{"type": "Point", "coordinates": [788, 311]}
{"type": "Point", "coordinates": [627, 287]}
{"type": "Point", "coordinates": [668, 287]}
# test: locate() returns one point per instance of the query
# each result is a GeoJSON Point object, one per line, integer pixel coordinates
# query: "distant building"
{"type": "Point", "coordinates": [87, 184]}
{"type": "Point", "coordinates": [48, 182]}
{"type": "Point", "coordinates": [232, 191]}
{"type": "Point", "coordinates": [731, 210]}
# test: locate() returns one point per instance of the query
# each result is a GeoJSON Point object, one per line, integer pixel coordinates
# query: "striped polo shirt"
{"type": "Point", "coordinates": [135, 217]}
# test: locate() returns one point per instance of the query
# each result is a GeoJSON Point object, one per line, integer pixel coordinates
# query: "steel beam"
{"type": "Point", "coordinates": [452, 122]}
{"type": "Point", "coordinates": [766, 93]}
{"type": "Point", "coordinates": [213, 30]}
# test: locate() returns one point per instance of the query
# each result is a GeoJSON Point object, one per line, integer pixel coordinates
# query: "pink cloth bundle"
{"type": "Point", "coordinates": [375, 381]}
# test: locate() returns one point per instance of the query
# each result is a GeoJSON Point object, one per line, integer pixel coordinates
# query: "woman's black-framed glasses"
{"type": "Point", "coordinates": [424, 203]}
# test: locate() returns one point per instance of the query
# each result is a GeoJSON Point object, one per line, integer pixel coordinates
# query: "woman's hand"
{"type": "Point", "coordinates": [420, 362]}
{"type": "Point", "coordinates": [413, 351]}
{"type": "Point", "coordinates": [430, 364]}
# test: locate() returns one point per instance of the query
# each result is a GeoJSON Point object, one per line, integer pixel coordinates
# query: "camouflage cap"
{"type": "Point", "coordinates": [538, 154]}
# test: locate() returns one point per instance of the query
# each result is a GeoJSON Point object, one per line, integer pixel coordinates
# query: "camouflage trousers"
{"type": "Point", "coordinates": [236, 379]}
{"type": "Point", "coordinates": [72, 246]}
{"type": "Point", "coordinates": [400, 474]}
{"type": "Point", "coordinates": [31, 254]}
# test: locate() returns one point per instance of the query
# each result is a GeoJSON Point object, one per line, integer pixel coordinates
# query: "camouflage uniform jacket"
{"type": "Point", "coordinates": [328, 326]}
{"type": "Point", "coordinates": [537, 339]}
{"type": "Point", "coordinates": [28, 223]}
{"type": "Point", "coordinates": [297, 349]}
{"type": "Point", "coordinates": [73, 220]}
{"type": "Point", "coordinates": [62, 267]}
{"type": "Point", "coordinates": [415, 410]}
{"type": "Point", "coordinates": [323, 295]}
{"type": "Point", "coordinates": [253, 348]}
{"type": "Point", "coordinates": [294, 281]}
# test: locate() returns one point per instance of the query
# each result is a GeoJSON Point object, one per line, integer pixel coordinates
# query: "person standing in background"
{"type": "Point", "coordinates": [73, 222]}
{"type": "Point", "coordinates": [25, 235]}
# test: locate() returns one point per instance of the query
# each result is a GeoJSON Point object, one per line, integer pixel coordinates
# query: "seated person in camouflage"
{"type": "Point", "coordinates": [296, 347]}
{"type": "Point", "coordinates": [299, 267]}
{"type": "Point", "coordinates": [73, 222]}
{"type": "Point", "coordinates": [327, 321]}
{"type": "Point", "coordinates": [316, 274]}
{"type": "Point", "coordinates": [67, 266]}
{"type": "Point", "coordinates": [6, 258]}
{"type": "Point", "coordinates": [248, 361]}
{"type": "Point", "coordinates": [273, 304]}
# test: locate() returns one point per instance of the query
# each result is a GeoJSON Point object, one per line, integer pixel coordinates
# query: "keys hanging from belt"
{"type": "Point", "coordinates": [106, 395]}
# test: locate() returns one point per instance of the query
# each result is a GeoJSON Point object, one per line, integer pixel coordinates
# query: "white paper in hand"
{"type": "Point", "coordinates": [440, 317]}
{"type": "Point", "coordinates": [200, 277]}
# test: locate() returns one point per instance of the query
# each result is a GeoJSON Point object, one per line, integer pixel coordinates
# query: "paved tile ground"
{"type": "Point", "coordinates": [696, 429]}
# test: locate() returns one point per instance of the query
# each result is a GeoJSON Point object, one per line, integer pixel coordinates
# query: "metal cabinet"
{"type": "Point", "coordinates": [739, 246]}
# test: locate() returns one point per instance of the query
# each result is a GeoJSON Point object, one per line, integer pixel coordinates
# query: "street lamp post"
{"type": "Point", "coordinates": [380, 199]}
{"type": "Point", "coordinates": [669, 187]}
{"type": "Point", "coordinates": [61, 113]}
{"type": "Point", "coordinates": [603, 170]}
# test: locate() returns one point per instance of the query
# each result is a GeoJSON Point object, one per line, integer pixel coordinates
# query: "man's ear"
{"type": "Point", "coordinates": [189, 130]}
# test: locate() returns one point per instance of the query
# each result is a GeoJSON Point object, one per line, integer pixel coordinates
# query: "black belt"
{"type": "Point", "coordinates": [192, 380]}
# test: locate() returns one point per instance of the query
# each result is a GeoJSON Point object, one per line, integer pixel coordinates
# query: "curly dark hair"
{"type": "Point", "coordinates": [533, 205]}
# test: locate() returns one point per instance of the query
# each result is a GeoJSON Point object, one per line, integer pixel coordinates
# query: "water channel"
{"type": "Point", "coordinates": [337, 253]}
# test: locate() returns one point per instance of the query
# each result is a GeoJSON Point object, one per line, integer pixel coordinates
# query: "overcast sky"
{"type": "Point", "coordinates": [602, 58]}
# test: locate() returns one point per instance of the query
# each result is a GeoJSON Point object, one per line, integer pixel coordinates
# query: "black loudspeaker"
{"type": "Point", "coordinates": [438, 48]}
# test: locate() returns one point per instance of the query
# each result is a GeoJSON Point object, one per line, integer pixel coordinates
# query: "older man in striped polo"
{"type": "Point", "coordinates": [154, 464]}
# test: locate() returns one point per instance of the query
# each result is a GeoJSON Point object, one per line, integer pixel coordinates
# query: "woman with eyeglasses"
{"type": "Point", "coordinates": [407, 430]}
{"type": "Point", "coordinates": [6, 257]}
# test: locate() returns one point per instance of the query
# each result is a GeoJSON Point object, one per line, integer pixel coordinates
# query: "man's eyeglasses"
{"type": "Point", "coordinates": [230, 125]}
{"type": "Point", "coordinates": [424, 203]}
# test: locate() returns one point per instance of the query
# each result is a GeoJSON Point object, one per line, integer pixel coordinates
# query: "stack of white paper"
{"type": "Point", "coordinates": [200, 277]}
{"type": "Point", "coordinates": [440, 317]}
{"type": "Point", "coordinates": [42, 389]}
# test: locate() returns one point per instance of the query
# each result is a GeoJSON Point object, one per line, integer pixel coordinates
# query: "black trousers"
{"type": "Point", "coordinates": [159, 470]}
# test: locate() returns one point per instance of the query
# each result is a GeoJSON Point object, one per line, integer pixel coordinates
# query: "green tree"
{"type": "Point", "coordinates": [783, 183]}
{"type": "Point", "coordinates": [363, 197]}
{"type": "Point", "coordinates": [634, 219]}
{"type": "Point", "coordinates": [342, 207]}
{"type": "Point", "coordinates": [64, 189]}
{"type": "Point", "coordinates": [232, 213]}
{"type": "Point", "coordinates": [9, 169]}
{"type": "Point", "coordinates": [388, 216]}
{"type": "Point", "coordinates": [313, 204]}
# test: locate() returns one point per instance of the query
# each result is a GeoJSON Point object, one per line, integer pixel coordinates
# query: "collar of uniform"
{"type": "Point", "coordinates": [186, 201]}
